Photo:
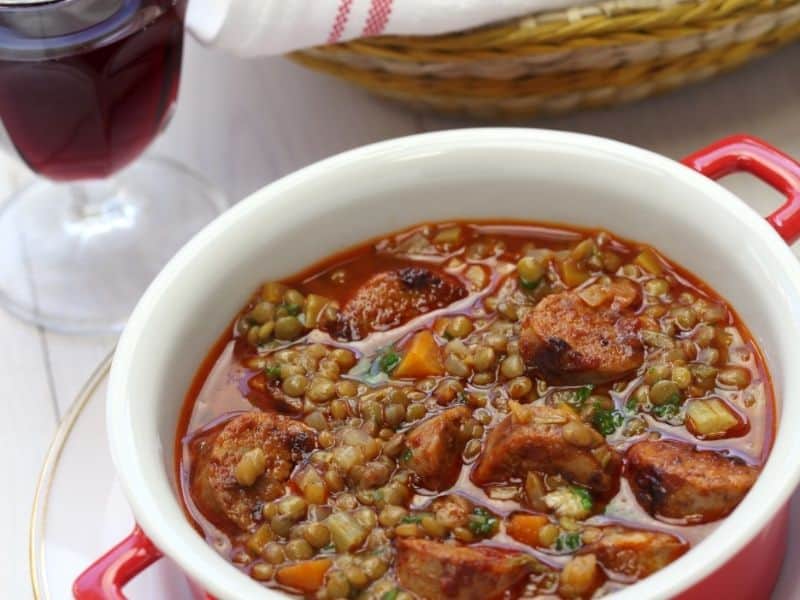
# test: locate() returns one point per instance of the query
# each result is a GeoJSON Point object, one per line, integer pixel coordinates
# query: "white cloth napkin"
{"type": "Point", "coordinates": [258, 27]}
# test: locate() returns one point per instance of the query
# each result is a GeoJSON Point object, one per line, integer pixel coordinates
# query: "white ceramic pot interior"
{"type": "Point", "coordinates": [471, 174]}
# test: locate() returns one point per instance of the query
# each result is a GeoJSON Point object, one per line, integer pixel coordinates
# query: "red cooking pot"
{"type": "Point", "coordinates": [740, 560]}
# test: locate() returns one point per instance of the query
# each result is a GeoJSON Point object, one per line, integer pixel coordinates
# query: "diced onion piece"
{"type": "Point", "coordinates": [622, 291]}
{"type": "Point", "coordinates": [648, 260]}
{"type": "Point", "coordinates": [580, 577]}
{"type": "Point", "coordinates": [583, 250]}
{"type": "Point", "coordinates": [596, 294]}
{"type": "Point", "coordinates": [312, 485]}
{"type": "Point", "coordinates": [450, 236]}
{"type": "Point", "coordinates": [535, 491]}
{"type": "Point", "coordinates": [256, 542]}
{"type": "Point", "coordinates": [352, 436]}
{"type": "Point", "coordinates": [572, 274]}
{"type": "Point", "coordinates": [477, 276]}
{"type": "Point", "coordinates": [566, 503]}
{"type": "Point", "coordinates": [506, 492]}
{"type": "Point", "coordinates": [625, 292]}
{"type": "Point", "coordinates": [347, 534]}
{"type": "Point", "coordinates": [315, 304]}
{"type": "Point", "coordinates": [347, 457]}
{"type": "Point", "coordinates": [710, 417]}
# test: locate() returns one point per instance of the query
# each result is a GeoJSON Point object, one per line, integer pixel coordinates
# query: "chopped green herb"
{"type": "Point", "coordinates": [667, 411]}
{"type": "Point", "coordinates": [670, 411]}
{"type": "Point", "coordinates": [584, 496]}
{"type": "Point", "coordinates": [632, 405]}
{"type": "Point", "coordinates": [529, 285]}
{"type": "Point", "coordinates": [412, 519]}
{"type": "Point", "coordinates": [580, 395]}
{"type": "Point", "coordinates": [568, 542]}
{"type": "Point", "coordinates": [273, 372]}
{"type": "Point", "coordinates": [293, 309]}
{"type": "Point", "coordinates": [482, 522]}
{"type": "Point", "coordinates": [389, 360]}
{"type": "Point", "coordinates": [461, 397]}
{"type": "Point", "coordinates": [448, 336]}
{"type": "Point", "coordinates": [390, 595]}
{"type": "Point", "coordinates": [375, 371]}
{"type": "Point", "coordinates": [329, 548]}
{"type": "Point", "coordinates": [407, 455]}
{"type": "Point", "coordinates": [607, 421]}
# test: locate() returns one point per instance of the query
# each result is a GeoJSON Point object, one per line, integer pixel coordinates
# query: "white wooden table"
{"type": "Point", "coordinates": [246, 123]}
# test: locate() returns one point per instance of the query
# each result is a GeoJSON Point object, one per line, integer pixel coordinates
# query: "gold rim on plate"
{"type": "Point", "coordinates": [36, 552]}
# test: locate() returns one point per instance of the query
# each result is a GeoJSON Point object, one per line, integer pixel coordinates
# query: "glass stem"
{"type": "Point", "coordinates": [98, 205]}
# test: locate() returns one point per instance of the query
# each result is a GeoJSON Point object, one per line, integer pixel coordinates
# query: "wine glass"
{"type": "Point", "coordinates": [85, 86]}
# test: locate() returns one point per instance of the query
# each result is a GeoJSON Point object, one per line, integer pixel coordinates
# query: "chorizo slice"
{"type": "Point", "coordinates": [435, 448]}
{"type": "Point", "coordinates": [636, 553]}
{"type": "Point", "coordinates": [566, 340]}
{"type": "Point", "coordinates": [247, 464]}
{"type": "Point", "coordinates": [434, 570]}
{"type": "Point", "coordinates": [392, 298]}
{"type": "Point", "coordinates": [532, 438]}
{"type": "Point", "coordinates": [675, 480]}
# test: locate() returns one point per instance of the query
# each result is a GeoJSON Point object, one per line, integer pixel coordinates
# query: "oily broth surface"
{"type": "Point", "coordinates": [222, 385]}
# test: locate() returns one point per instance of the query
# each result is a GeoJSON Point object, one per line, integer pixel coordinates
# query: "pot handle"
{"type": "Point", "coordinates": [773, 167]}
{"type": "Point", "coordinates": [105, 579]}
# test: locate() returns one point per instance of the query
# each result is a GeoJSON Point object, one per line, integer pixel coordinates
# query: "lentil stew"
{"type": "Point", "coordinates": [473, 411]}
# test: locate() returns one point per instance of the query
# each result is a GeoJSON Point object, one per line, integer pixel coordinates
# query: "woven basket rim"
{"type": "Point", "coordinates": [600, 21]}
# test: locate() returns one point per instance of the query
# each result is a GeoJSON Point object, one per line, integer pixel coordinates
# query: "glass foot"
{"type": "Point", "coordinates": [75, 258]}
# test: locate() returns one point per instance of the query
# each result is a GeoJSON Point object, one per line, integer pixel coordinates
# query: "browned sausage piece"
{"type": "Point", "coordinates": [531, 439]}
{"type": "Point", "coordinates": [217, 485]}
{"type": "Point", "coordinates": [435, 448]}
{"type": "Point", "coordinates": [636, 553]}
{"type": "Point", "coordinates": [434, 570]}
{"type": "Point", "coordinates": [389, 299]}
{"type": "Point", "coordinates": [674, 480]}
{"type": "Point", "coordinates": [566, 340]}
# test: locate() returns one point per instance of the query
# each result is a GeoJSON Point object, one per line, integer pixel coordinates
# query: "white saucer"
{"type": "Point", "coordinates": [80, 512]}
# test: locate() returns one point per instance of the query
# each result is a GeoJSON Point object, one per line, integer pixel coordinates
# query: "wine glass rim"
{"type": "Point", "coordinates": [28, 2]}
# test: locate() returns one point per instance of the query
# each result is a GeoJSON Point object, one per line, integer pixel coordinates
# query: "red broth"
{"type": "Point", "coordinates": [693, 344]}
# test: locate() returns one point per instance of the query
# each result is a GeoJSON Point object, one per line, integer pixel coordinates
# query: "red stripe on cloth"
{"type": "Point", "coordinates": [378, 17]}
{"type": "Point", "coordinates": [342, 16]}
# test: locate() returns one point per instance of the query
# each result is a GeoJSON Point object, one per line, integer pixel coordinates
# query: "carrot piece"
{"type": "Point", "coordinates": [306, 576]}
{"type": "Point", "coordinates": [525, 528]}
{"type": "Point", "coordinates": [422, 357]}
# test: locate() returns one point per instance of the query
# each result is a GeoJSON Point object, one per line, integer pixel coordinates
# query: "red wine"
{"type": "Point", "coordinates": [85, 88]}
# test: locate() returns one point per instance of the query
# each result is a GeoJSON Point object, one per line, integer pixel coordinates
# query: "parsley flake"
{"type": "Point", "coordinates": [412, 519]}
{"type": "Point", "coordinates": [580, 396]}
{"type": "Point", "coordinates": [584, 496]}
{"type": "Point", "coordinates": [607, 421]}
{"type": "Point", "coordinates": [273, 372]}
{"type": "Point", "coordinates": [482, 522]}
{"type": "Point", "coordinates": [568, 542]}
{"type": "Point", "coordinates": [389, 361]}
{"type": "Point", "coordinates": [292, 309]}
{"type": "Point", "coordinates": [529, 285]}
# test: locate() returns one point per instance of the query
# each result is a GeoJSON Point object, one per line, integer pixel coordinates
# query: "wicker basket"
{"type": "Point", "coordinates": [550, 63]}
